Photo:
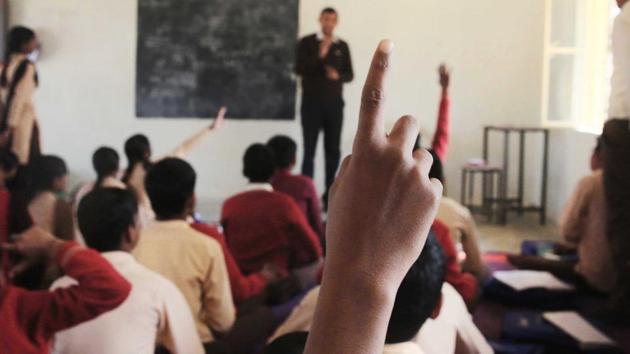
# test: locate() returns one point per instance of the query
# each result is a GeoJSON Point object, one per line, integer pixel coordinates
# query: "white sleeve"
{"type": "Point", "coordinates": [177, 328]}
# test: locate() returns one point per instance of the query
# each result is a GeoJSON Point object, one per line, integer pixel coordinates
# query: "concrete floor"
{"type": "Point", "coordinates": [508, 238]}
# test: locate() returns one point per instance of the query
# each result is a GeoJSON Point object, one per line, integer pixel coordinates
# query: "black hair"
{"type": "Point", "coordinates": [105, 161]}
{"type": "Point", "coordinates": [170, 184]}
{"type": "Point", "coordinates": [437, 169]}
{"type": "Point", "coordinates": [17, 38]}
{"type": "Point", "coordinates": [290, 343]}
{"type": "Point", "coordinates": [329, 10]}
{"type": "Point", "coordinates": [418, 294]}
{"type": "Point", "coordinates": [105, 214]}
{"type": "Point", "coordinates": [283, 149]}
{"type": "Point", "coordinates": [45, 170]}
{"type": "Point", "coordinates": [137, 150]}
{"type": "Point", "coordinates": [258, 164]}
{"type": "Point", "coordinates": [8, 160]}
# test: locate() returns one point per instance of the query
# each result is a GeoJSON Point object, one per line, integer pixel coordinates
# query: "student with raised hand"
{"type": "Point", "coordinates": [191, 260]}
{"type": "Point", "coordinates": [18, 82]}
{"type": "Point", "coordinates": [29, 319]}
{"type": "Point", "coordinates": [381, 210]}
{"type": "Point", "coordinates": [45, 205]}
{"type": "Point", "coordinates": [154, 312]}
{"type": "Point", "coordinates": [300, 188]}
{"type": "Point", "coordinates": [138, 151]}
{"type": "Point", "coordinates": [264, 226]}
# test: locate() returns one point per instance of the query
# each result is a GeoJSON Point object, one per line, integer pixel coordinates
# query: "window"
{"type": "Point", "coordinates": [577, 63]}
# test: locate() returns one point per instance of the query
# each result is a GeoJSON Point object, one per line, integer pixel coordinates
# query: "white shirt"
{"type": "Point", "coordinates": [620, 83]}
{"type": "Point", "coordinates": [438, 336]}
{"type": "Point", "coordinates": [154, 312]}
{"type": "Point", "coordinates": [259, 187]}
{"type": "Point", "coordinates": [453, 326]}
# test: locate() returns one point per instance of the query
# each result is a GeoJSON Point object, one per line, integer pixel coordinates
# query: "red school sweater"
{"type": "Point", "coordinates": [29, 319]}
{"type": "Point", "coordinates": [268, 227]}
{"type": "Point", "coordinates": [243, 286]}
{"type": "Point", "coordinates": [302, 190]}
{"type": "Point", "coordinates": [465, 283]}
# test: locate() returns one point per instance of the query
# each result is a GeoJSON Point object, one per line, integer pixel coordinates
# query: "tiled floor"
{"type": "Point", "coordinates": [508, 238]}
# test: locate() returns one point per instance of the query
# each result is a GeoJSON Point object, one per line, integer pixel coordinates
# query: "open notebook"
{"type": "Point", "coordinates": [588, 337]}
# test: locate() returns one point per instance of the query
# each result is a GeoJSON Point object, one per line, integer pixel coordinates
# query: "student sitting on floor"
{"type": "Point", "coordinates": [154, 312]}
{"type": "Point", "coordinates": [300, 188]}
{"type": "Point", "coordinates": [191, 260]}
{"type": "Point", "coordinates": [139, 153]}
{"type": "Point", "coordinates": [263, 226]}
{"type": "Point", "coordinates": [423, 319]}
{"type": "Point", "coordinates": [454, 215]}
{"type": "Point", "coordinates": [48, 210]}
{"type": "Point", "coordinates": [583, 224]}
{"type": "Point", "coordinates": [29, 319]}
{"type": "Point", "coordinates": [106, 163]}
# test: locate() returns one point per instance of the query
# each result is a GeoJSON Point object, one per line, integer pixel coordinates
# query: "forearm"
{"type": "Point", "coordinates": [442, 131]}
{"type": "Point", "coordinates": [351, 316]}
{"type": "Point", "coordinates": [189, 144]}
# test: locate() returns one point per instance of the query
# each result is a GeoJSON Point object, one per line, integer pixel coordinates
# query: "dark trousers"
{"type": "Point", "coordinates": [326, 116]}
{"type": "Point", "coordinates": [616, 154]}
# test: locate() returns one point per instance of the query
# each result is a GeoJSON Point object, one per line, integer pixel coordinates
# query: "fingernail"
{"type": "Point", "coordinates": [386, 46]}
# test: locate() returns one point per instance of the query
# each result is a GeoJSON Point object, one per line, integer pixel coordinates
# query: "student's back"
{"type": "Point", "coordinates": [193, 262]}
{"type": "Point", "coordinates": [263, 226]}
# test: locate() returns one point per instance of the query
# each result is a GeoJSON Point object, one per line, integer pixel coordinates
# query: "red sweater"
{"type": "Point", "coordinates": [243, 286]}
{"type": "Point", "coordinates": [29, 319]}
{"type": "Point", "coordinates": [464, 283]}
{"type": "Point", "coordinates": [442, 131]}
{"type": "Point", "coordinates": [302, 190]}
{"type": "Point", "coordinates": [268, 227]}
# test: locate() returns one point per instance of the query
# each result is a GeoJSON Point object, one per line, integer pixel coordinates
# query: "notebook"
{"type": "Point", "coordinates": [578, 328]}
{"type": "Point", "coordinates": [520, 280]}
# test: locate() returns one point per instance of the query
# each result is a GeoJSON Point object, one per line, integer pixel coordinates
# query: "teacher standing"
{"type": "Point", "coordinates": [323, 62]}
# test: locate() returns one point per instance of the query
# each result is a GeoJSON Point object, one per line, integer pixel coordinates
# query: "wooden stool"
{"type": "Point", "coordinates": [492, 177]}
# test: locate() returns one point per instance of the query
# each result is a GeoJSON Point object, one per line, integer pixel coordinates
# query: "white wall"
{"type": "Point", "coordinates": [86, 97]}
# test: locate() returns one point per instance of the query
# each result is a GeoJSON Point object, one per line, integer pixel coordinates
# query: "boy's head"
{"type": "Point", "coordinates": [328, 19]}
{"type": "Point", "coordinates": [596, 157]}
{"type": "Point", "coordinates": [138, 148]}
{"type": "Point", "coordinates": [108, 220]}
{"type": "Point", "coordinates": [258, 164]}
{"type": "Point", "coordinates": [284, 150]}
{"type": "Point", "coordinates": [419, 296]}
{"type": "Point", "coordinates": [290, 343]}
{"type": "Point", "coordinates": [437, 169]}
{"type": "Point", "coordinates": [105, 161]}
{"type": "Point", "coordinates": [49, 173]}
{"type": "Point", "coordinates": [170, 185]}
{"type": "Point", "coordinates": [8, 165]}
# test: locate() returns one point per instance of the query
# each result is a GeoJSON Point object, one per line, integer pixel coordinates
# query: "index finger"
{"type": "Point", "coordinates": [371, 122]}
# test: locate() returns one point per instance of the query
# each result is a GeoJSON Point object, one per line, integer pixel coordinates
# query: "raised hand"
{"type": "Point", "coordinates": [332, 74]}
{"type": "Point", "coordinates": [218, 121]}
{"type": "Point", "coordinates": [36, 246]}
{"type": "Point", "coordinates": [381, 208]}
{"type": "Point", "coordinates": [445, 76]}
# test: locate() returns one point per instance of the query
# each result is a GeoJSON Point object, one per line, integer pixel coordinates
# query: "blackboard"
{"type": "Point", "coordinates": [194, 56]}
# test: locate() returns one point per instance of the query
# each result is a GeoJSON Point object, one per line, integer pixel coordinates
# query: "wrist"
{"type": "Point", "coordinates": [375, 286]}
